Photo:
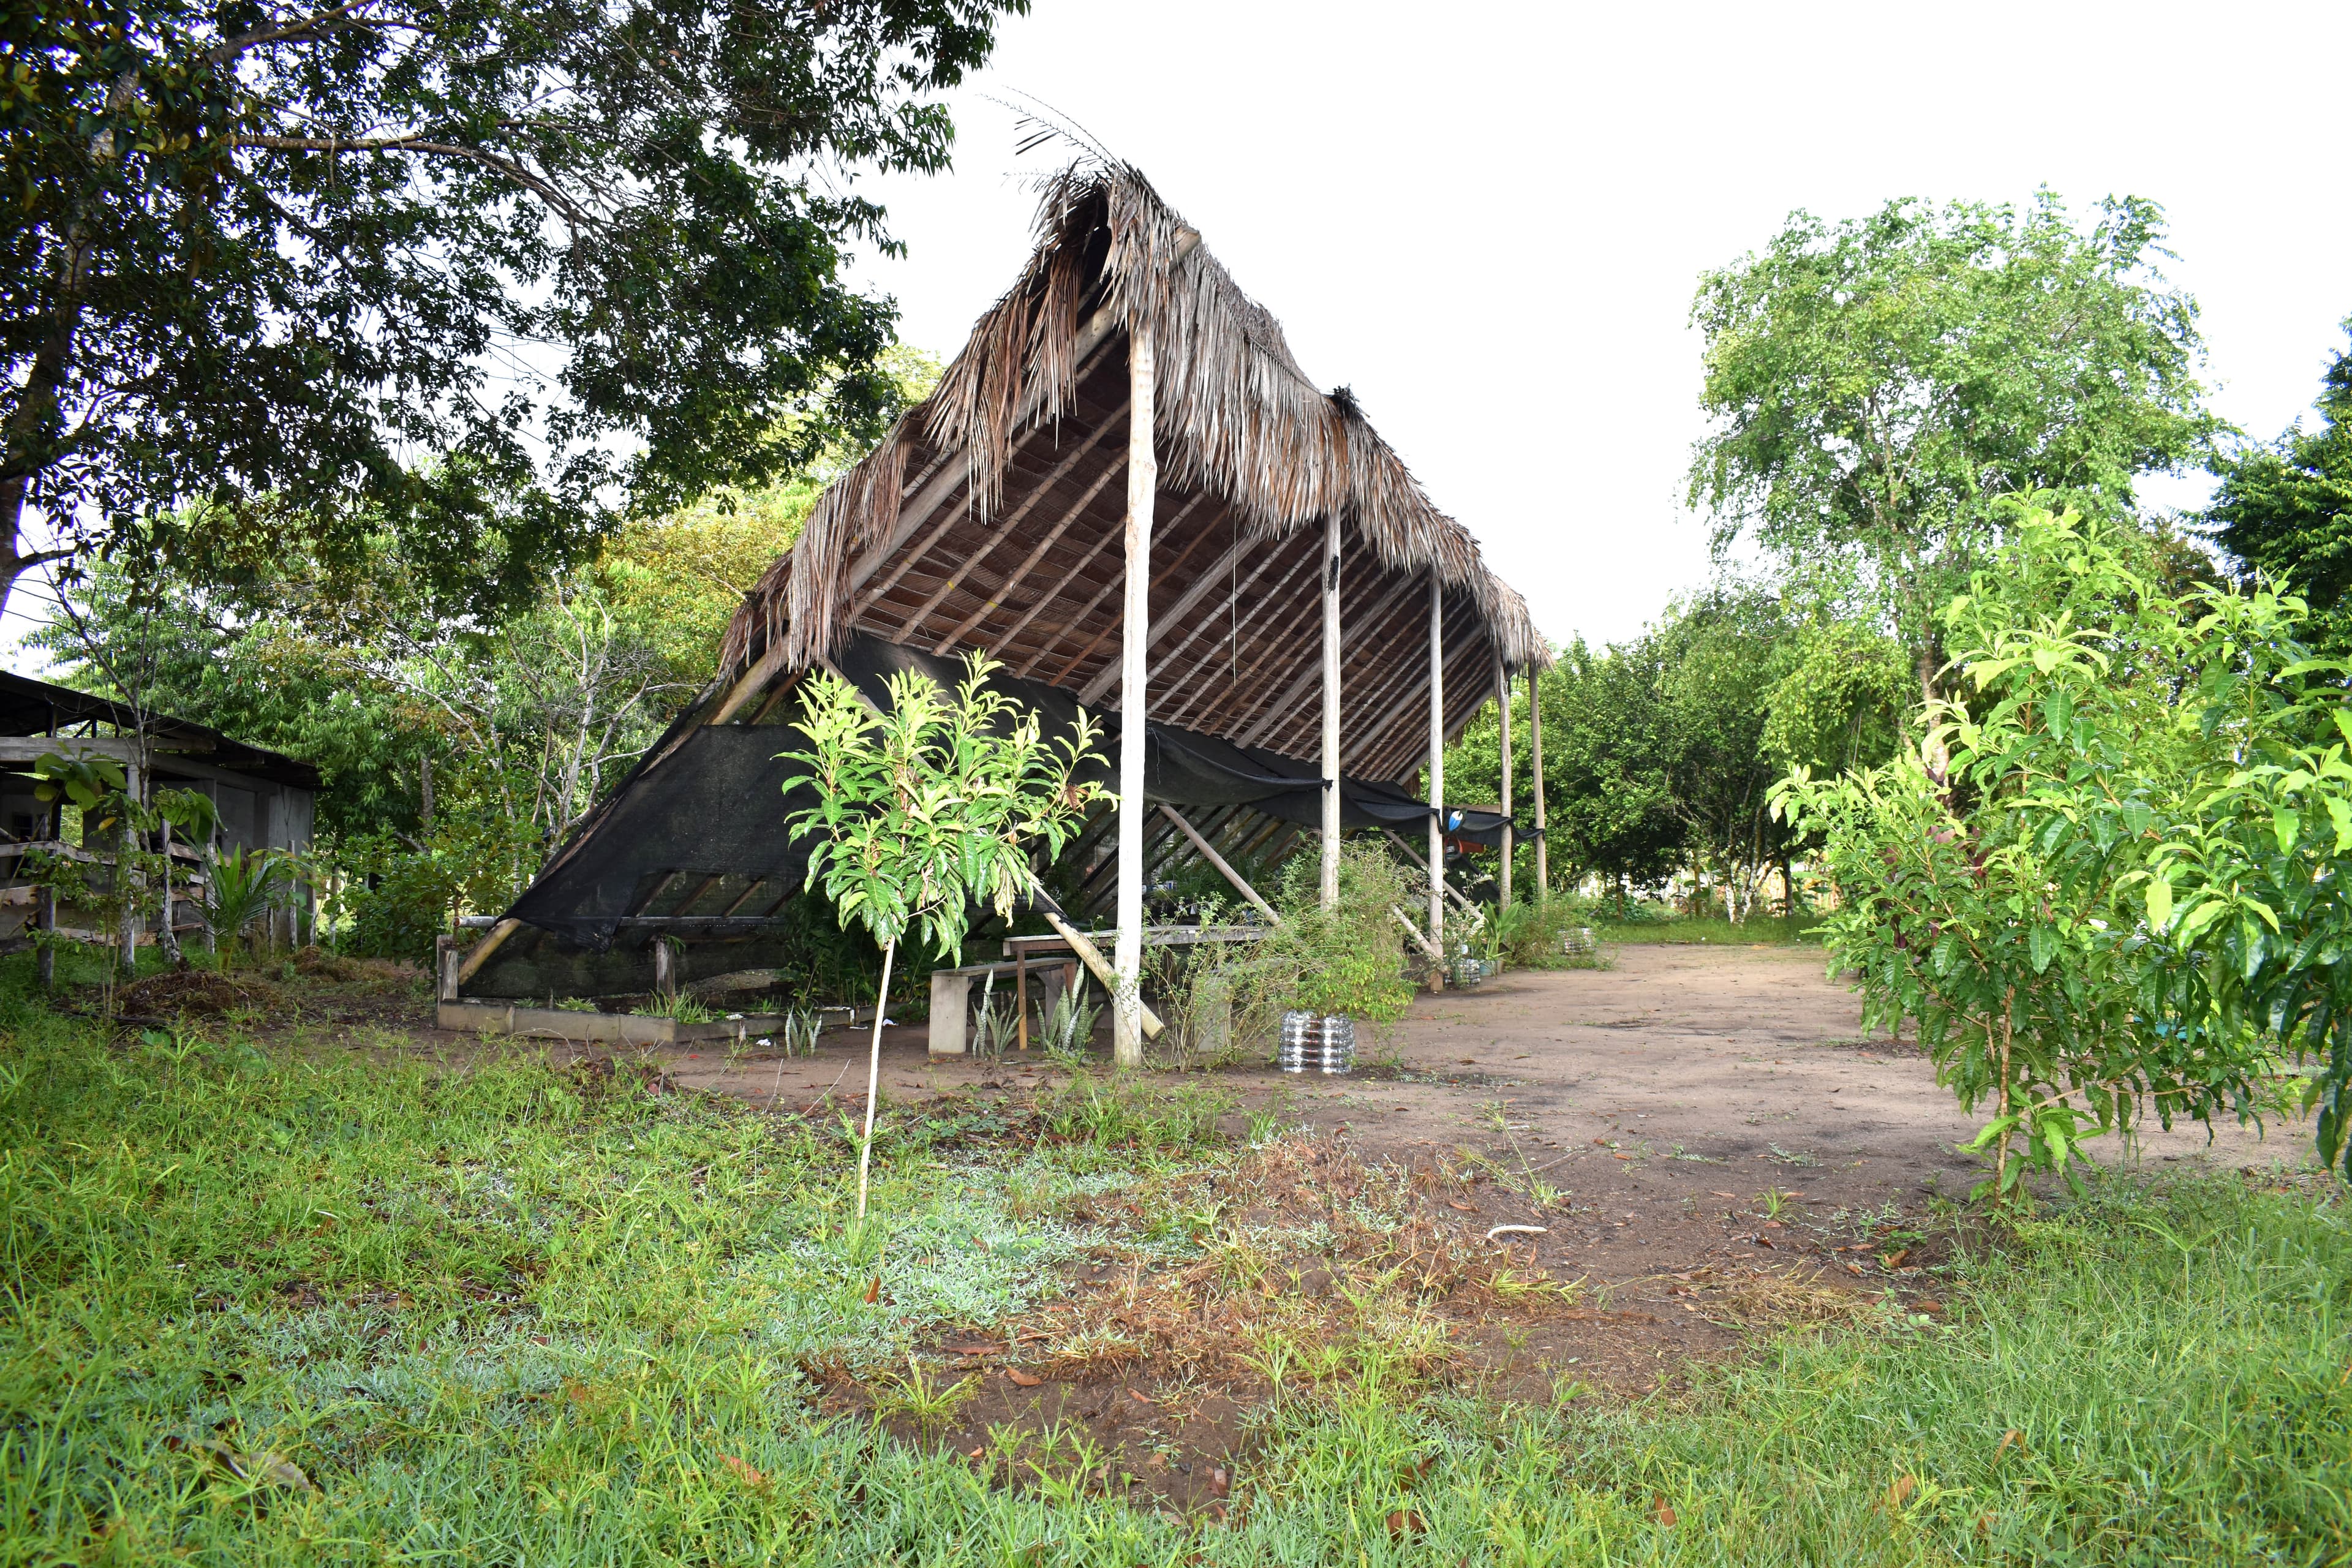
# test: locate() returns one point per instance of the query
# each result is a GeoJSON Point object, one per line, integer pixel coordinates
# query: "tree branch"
{"type": "Point", "coordinates": [570, 210]}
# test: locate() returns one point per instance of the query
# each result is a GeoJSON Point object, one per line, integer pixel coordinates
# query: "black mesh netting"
{"type": "Point", "coordinates": [713, 801]}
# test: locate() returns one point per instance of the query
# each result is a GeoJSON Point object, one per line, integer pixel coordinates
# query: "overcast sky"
{"type": "Point", "coordinates": [1489, 220]}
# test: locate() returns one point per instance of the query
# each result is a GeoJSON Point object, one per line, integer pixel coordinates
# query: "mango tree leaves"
{"type": "Point", "coordinates": [2126, 893]}
{"type": "Point", "coordinates": [930, 810]}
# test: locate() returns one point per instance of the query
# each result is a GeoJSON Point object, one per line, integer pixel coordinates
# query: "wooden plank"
{"type": "Point", "coordinates": [1217, 860]}
{"type": "Point", "coordinates": [1000, 531]}
{"type": "Point", "coordinates": [1020, 575]}
{"type": "Point", "coordinates": [1210, 577]}
{"type": "Point", "coordinates": [1206, 699]}
{"type": "Point", "coordinates": [1116, 621]}
{"type": "Point", "coordinates": [1437, 763]}
{"type": "Point", "coordinates": [1331, 711]}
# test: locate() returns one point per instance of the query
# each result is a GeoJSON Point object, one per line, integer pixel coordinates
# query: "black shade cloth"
{"type": "Point", "coordinates": [716, 805]}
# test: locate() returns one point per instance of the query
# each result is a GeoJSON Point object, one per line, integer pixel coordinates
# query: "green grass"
{"type": "Point", "coordinates": [1779, 930]}
{"type": "Point", "coordinates": [513, 1315]}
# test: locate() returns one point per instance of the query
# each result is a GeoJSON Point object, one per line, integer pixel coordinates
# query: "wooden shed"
{"type": "Point", "coordinates": [264, 800]}
{"type": "Point", "coordinates": [1127, 490]}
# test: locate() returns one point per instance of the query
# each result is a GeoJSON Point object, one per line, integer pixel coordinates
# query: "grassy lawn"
{"type": "Point", "coordinates": [1779, 930]}
{"type": "Point", "coordinates": [512, 1314]}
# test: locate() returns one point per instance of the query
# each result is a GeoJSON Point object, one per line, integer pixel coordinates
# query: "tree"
{"type": "Point", "coordinates": [267, 255]}
{"type": "Point", "coordinates": [2129, 888]}
{"type": "Point", "coordinates": [926, 812]}
{"type": "Point", "coordinates": [1873, 384]}
{"type": "Point", "coordinates": [2286, 510]}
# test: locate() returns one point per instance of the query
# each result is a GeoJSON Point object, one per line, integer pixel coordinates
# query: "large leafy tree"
{"type": "Point", "coordinates": [478, 272]}
{"type": "Point", "coordinates": [1873, 384]}
{"type": "Point", "coordinates": [2286, 510]}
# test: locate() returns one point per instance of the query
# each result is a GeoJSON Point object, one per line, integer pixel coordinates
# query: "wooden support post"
{"type": "Point", "coordinates": [479, 953]}
{"type": "Point", "coordinates": [1535, 762]}
{"type": "Point", "coordinates": [1142, 486]}
{"type": "Point", "coordinates": [1147, 1021]}
{"type": "Point", "coordinates": [1331, 711]}
{"type": "Point", "coordinates": [446, 959]}
{"type": "Point", "coordinates": [1502, 698]}
{"type": "Point", "coordinates": [45, 916]}
{"type": "Point", "coordinates": [1213, 858]}
{"type": "Point", "coordinates": [1437, 763]}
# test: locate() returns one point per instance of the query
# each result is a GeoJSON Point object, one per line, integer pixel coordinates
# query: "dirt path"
{"type": "Point", "coordinates": [1700, 1137]}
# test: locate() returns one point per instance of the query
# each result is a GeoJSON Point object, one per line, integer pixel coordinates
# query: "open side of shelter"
{"type": "Point", "coordinates": [1126, 491]}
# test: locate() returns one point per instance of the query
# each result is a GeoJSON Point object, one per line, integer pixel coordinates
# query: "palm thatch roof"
{"type": "Point", "coordinates": [990, 515]}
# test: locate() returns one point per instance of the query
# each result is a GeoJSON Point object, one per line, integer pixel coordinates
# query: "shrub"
{"type": "Point", "coordinates": [1347, 959]}
{"type": "Point", "coordinates": [2127, 885]}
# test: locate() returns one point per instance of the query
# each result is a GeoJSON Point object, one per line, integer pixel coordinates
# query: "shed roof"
{"type": "Point", "coordinates": [992, 513]}
{"type": "Point", "coordinates": [29, 707]}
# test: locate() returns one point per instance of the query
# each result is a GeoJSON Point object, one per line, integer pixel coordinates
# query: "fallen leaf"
{"type": "Point", "coordinates": [1620, 1156]}
{"type": "Point", "coordinates": [874, 1291]}
{"type": "Point", "coordinates": [2012, 1439]}
{"type": "Point", "coordinates": [1985, 1522]}
{"type": "Point", "coordinates": [1465, 1208]}
{"type": "Point", "coordinates": [1664, 1512]}
{"type": "Point", "coordinates": [745, 1473]}
{"type": "Point", "coordinates": [977, 1454]}
{"type": "Point", "coordinates": [1021, 1378]}
{"type": "Point", "coordinates": [1713, 1194]}
{"type": "Point", "coordinates": [981, 1243]}
{"type": "Point", "coordinates": [262, 1468]}
{"type": "Point", "coordinates": [1895, 1258]}
{"type": "Point", "coordinates": [1404, 1522]}
{"type": "Point", "coordinates": [1929, 1305]}
{"type": "Point", "coordinates": [975, 1349]}
{"type": "Point", "coordinates": [1900, 1492]}
{"type": "Point", "coordinates": [1221, 1482]}
{"type": "Point", "coordinates": [1139, 1398]}
{"type": "Point", "coordinates": [1469, 1061]}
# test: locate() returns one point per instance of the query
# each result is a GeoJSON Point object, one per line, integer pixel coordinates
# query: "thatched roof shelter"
{"type": "Point", "coordinates": [993, 515]}
{"type": "Point", "coordinates": [989, 516]}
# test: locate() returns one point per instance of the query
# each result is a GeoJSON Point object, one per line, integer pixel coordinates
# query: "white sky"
{"type": "Point", "coordinates": [1489, 220]}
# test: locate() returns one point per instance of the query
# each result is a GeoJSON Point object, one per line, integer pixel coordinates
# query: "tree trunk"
{"type": "Point", "coordinates": [873, 1082]}
{"type": "Point", "coordinates": [1932, 753]}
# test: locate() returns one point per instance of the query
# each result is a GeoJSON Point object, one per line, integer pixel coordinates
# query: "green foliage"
{"type": "Point", "coordinates": [207, 201]}
{"type": "Point", "coordinates": [84, 780]}
{"type": "Point", "coordinates": [2286, 510]}
{"type": "Point", "coordinates": [2133, 871]}
{"type": "Point", "coordinates": [1532, 933]}
{"type": "Point", "coordinates": [1874, 383]}
{"type": "Point", "coordinates": [241, 885]}
{"type": "Point", "coordinates": [932, 809]}
{"type": "Point", "coordinates": [1659, 752]}
{"type": "Point", "coordinates": [1839, 699]}
{"type": "Point", "coordinates": [1348, 959]}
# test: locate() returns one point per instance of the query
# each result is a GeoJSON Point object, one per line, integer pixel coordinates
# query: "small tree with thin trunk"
{"type": "Point", "coordinates": [929, 811]}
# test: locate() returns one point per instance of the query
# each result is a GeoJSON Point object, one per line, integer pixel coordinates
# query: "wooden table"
{"type": "Point", "coordinates": [1021, 950]}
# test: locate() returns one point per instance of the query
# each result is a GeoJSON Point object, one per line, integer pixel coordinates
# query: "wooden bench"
{"type": "Point", "coordinates": [951, 997]}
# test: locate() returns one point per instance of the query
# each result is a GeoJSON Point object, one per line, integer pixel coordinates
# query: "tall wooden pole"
{"type": "Point", "coordinates": [1331, 711]}
{"type": "Point", "coordinates": [1503, 697]}
{"type": "Point", "coordinates": [1535, 760]}
{"type": "Point", "coordinates": [1142, 485]}
{"type": "Point", "coordinates": [1436, 760]}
